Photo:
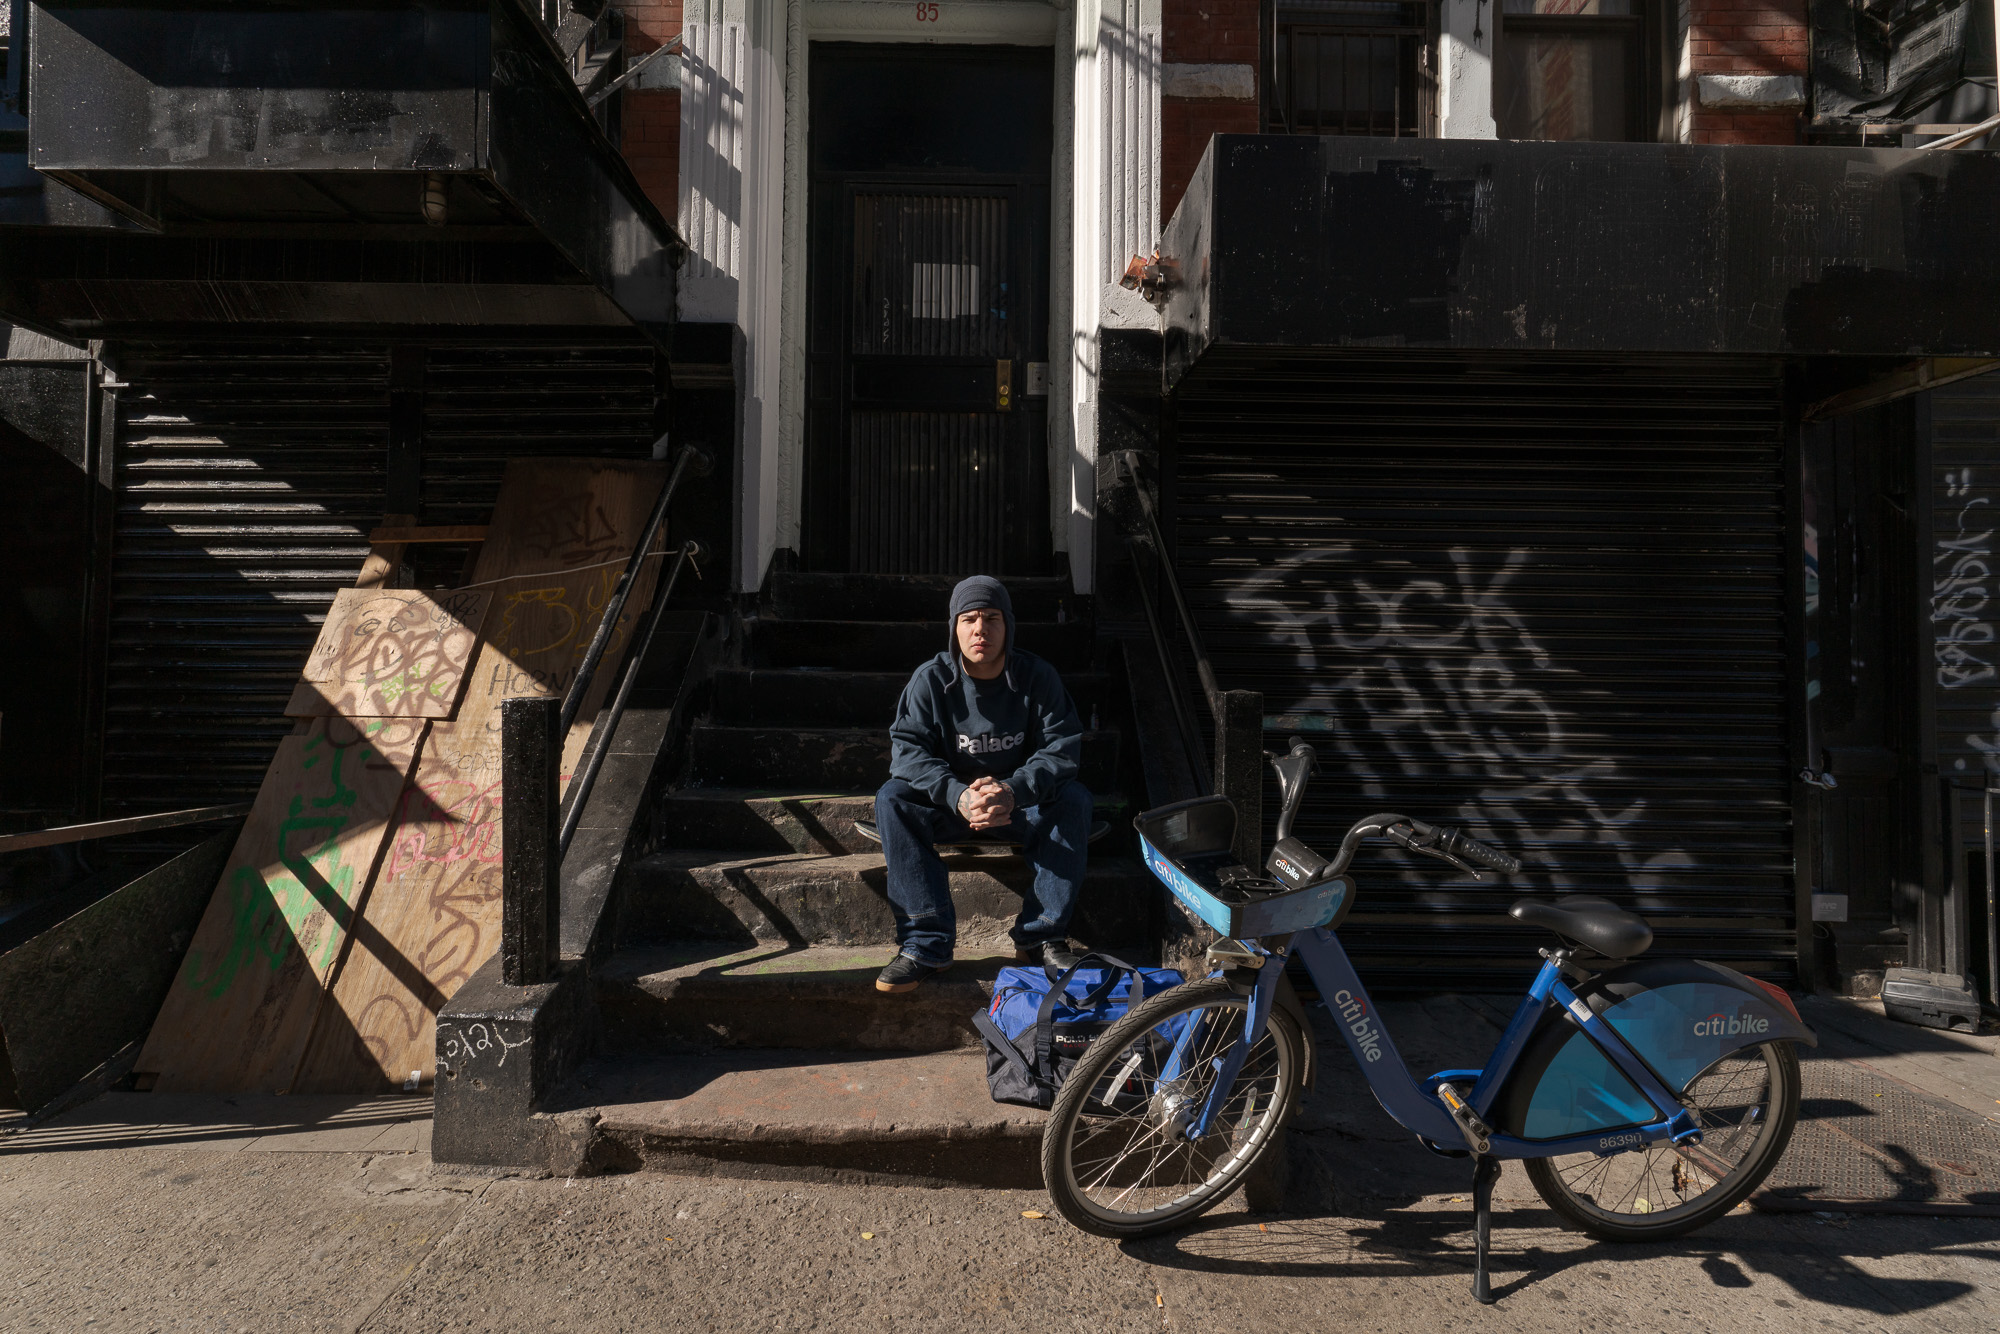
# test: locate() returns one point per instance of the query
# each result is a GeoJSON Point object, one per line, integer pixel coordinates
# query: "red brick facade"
{"type": "Point", "coordinates": [1202, 32]}
{"type": "Point", "coordinates": [652, 119]}
{"type": "Point", "coordinates": [1725, 37]}
{"type": "Point", "coordinates": [1747, 37]}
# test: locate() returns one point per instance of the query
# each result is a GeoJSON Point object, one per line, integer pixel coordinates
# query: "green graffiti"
{"type": "Point", "coordinates": [269, 917]}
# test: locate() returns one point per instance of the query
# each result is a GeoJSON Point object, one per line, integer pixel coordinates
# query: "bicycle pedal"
{"type": "Point", "coordinates": [1478, 1135]}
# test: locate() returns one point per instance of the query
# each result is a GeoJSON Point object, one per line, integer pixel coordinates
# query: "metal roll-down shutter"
{"type": "Point", "coordinates": [484, 405]}
{"type": "Point", "coordinates": [1537, 597]}
{"type": "Point", "coordinates": [247, 479]}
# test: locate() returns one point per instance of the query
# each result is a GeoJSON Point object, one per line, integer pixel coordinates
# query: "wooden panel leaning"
{"type": "Point", "coordinates": [391, 653]}
{"type": "Point", "coordinates": [561, 532]}
{"type": "Point", "coordinates": [242, 1005]}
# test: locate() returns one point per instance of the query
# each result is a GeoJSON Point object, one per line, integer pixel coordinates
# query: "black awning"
{"type": "Point", "coordinates": [1482, 245]}
{"type": "Point", "coordinates": [337, 162]}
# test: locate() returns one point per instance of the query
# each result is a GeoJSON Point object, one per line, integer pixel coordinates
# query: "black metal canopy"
{"type": "Point", "coordinates": [1481, 245]}
{"type": "Point", "coordinates": [341, 163]}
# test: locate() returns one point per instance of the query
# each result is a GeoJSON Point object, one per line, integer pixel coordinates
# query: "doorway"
{"type": "Point", "coordinates": [928, 309]}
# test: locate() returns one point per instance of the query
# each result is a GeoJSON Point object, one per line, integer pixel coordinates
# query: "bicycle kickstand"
{"type": "Point", "coordinates": [1485, 1171]}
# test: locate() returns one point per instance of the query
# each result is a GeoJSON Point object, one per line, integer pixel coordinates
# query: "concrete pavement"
{"type": "Point", "coordinates": [133, 1215]}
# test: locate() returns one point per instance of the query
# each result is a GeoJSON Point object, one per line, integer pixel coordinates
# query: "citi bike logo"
{"type": "Point", "coordinates": [1355, 1015]}
{"type": "Point", "coordinates": [1729, 1026]}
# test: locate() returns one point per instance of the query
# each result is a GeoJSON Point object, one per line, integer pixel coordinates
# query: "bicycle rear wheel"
{"type": "Point", "coordinates": [1746, 1104]}
{"type": "Point", "coordinates": [1113, 1159]}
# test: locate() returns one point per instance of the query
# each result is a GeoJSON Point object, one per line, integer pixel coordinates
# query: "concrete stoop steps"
{"type": "Point", "coordinates": [810, 899]}
{"type": "Point", "coordinates": [742, 1031]}
{"type": "Point", "coordinates": [907, 1117]}
{"type": "Point", "coordinates": [763, 820]}
{"type": "Point", "coordinates": [696, 997]}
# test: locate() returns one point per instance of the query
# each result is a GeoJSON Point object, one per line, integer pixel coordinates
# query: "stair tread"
{"type": "Point", "coordinates": [708, 966]}
{"type": "Point", "coordinates": [844, 730]}
{"type": "Point", "coordinates": [735, 794]}
{"type": "Point", "coordinates": [832, 864]}
{"type": "Point", "coordinates": [769, 1096]}
{"type": "Point", "coordinates": [879, 673]}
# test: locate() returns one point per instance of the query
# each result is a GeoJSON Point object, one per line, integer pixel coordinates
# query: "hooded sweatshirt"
{"type": "Point", "coordinates": [952, 728]}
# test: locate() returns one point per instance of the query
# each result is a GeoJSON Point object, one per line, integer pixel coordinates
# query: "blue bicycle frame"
{"type": "Point", "coordinates": [1417, 1106]}
{"type": "Point", "coordinates": [1684, 1015]}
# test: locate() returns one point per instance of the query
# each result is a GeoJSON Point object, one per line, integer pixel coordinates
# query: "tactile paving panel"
{"type": "Point", "coordinates": [1862, 1139]}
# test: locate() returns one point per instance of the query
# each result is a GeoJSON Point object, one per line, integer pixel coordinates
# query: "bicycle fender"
{"type": "Point", "coordinates": [1679, 1015]}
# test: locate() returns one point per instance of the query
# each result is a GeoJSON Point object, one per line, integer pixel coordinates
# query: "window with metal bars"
{"type": "Point", "coordinates": [1351, 67]}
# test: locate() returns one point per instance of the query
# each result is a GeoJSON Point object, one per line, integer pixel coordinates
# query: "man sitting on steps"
{"type": "Point", "coordinates": [985, 743]}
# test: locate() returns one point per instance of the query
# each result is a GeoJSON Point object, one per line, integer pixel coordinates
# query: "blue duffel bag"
{"type": "Point", "coordinates": [1039, 1025]}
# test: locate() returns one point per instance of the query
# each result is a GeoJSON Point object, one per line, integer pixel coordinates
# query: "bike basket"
{"type": "Point", "coordinates": [1188, 845]}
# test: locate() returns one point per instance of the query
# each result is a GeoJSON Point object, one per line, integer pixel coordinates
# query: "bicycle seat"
{"type": "Point", "coordinates": [1596, 924]}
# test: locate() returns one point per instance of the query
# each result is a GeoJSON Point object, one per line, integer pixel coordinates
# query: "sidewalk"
{"type": "Point", "coordinates": [141, 1213]}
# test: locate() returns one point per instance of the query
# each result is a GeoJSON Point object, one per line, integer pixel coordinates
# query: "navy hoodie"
{"type": "Point", "coordinates": [951, 728]}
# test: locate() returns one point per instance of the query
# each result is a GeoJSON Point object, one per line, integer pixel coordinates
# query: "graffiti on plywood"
{"type": "Point", "coordinates": [391, 653]}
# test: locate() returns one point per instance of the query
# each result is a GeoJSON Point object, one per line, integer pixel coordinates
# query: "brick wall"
{"type": "Point", "coordinates": [1202, 32]}
{"type": "Point", "coordinates": [1746, 37]}
{"type": "Point", "coordinates": [652, 118]}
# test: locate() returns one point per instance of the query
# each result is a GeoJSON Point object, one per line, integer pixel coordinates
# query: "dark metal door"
{"type": "Point", "coordinates": [1862, 677]}
{"type": "Point", "coordinates": [1961, 579]}
{"type": "Point", "coordinates": [1541, 597]}
{"type": "Point", "coordinates": [927, 420]}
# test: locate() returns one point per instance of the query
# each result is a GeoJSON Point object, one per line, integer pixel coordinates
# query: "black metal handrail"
{"type": "Point", "coordinates": [607, 726]}
{"type": "Point", "coordinates": [690, 457]}
{"type": "Point", "coordinates": [1237, 772]}
{"type": "Point", "coordinates": [131, 824]}
{"type": "Point", "coordinates": [1136, 541]}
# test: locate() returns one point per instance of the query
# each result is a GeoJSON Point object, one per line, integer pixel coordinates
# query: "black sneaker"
{"type": "Point", "coordinates": [1054, 954]}
{"type": "Point", "coordinates": [904, 973]}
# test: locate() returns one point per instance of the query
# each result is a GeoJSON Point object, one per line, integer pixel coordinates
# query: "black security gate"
{"type": "Point", "coordinates": [928, 310]}
{"type": "Point", "coordinates": [247, 479]}
{"type": "Point", "coordinates": [1963, 581]}
{"type": "Point", "coordinates": [1538, 597]}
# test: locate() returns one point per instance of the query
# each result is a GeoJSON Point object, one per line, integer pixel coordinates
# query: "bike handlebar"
{"type": "Point", "coordinates": [1443, 842]}
{"type": "Point", "coordinates": [1458, 845]}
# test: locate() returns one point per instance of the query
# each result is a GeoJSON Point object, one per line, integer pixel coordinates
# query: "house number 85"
{"type": "Point", "coordinates": [927, 13]}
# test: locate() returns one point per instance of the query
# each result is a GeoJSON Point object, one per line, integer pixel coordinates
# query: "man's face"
{"type": "Point", "coordinates": [982, 636]}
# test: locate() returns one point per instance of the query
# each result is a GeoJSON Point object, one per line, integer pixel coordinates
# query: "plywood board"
{"type": "Point", "coordinates": [391, 653]}
{"type": "Point", "coordinates": [434, 912]}
{"type": "Point", "coordinates": [242, 1006]}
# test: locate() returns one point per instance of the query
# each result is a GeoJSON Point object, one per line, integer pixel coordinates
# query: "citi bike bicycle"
{"type": "Point", "coordinates": [1646, 1097]}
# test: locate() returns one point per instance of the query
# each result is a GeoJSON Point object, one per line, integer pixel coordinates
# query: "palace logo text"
{"type": "Point", "coordinates": [986, 745]}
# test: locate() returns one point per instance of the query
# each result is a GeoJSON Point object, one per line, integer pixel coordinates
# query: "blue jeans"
{"type": "Point", "coordinates": [1054, 837]}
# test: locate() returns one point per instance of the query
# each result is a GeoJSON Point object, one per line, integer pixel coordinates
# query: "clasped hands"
{"type": "Point", "coordinates": [987, 804]}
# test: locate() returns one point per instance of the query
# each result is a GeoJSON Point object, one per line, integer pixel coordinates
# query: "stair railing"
{"type": "Point", "coordinates": [691, 459]}
{"type": "Point", "coordinates": [539, 823]}
{"type": "Point", "coordinates": [1237, 772]}
{"type": "Point", "coordinates": [607, 726]}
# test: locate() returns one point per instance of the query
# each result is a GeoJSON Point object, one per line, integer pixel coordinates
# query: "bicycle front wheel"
{"type": "Point", "coordinates": [1115, 1157]}
{"type": "Point", "coordinates": [1746, 1104]}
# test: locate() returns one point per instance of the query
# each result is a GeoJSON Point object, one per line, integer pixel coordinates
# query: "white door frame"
{"type": "Point", "coordinates": [743, 160]}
